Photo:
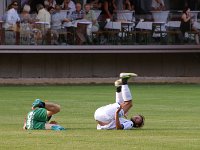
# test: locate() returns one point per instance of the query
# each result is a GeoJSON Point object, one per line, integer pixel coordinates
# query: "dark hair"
{"type": "Point", "coordinates": [185, 9]}
{"type": "Point", "coordinates": [139, 125]}
{"type": "Point", "coordinates": [14, 3]}
{"type": "Point", "coordinates": [39, 6]}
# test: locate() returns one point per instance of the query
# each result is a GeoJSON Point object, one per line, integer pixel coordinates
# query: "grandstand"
{"type": "Point", "coordinates": [163, 60]}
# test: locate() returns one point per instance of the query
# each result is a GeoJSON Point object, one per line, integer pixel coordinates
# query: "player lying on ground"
{"type": "Point", "coordinates": [111, 116]}
{"type": "Point", "coordinates": [38, 118]}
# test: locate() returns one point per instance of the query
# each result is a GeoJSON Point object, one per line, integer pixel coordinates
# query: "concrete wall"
{"type": "Point", "coordinates": [98, 65]}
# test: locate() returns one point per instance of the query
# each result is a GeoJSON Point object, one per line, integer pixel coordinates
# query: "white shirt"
{"type": "Point", "coordinates": [11, 18]}
{"type": "Point", "coordinates": [71, 5]}
{"type": "Point", "coordinates": [44, 16]}
{"type": "Point", "coordinates": [126, 124]}
{"type": "Point", "coordinates": [156, 5]}
{"type": "Point", "coordinates": [106, 114]}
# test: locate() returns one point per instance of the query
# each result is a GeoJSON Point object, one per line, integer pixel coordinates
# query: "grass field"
{"type": "Point", "coordinates": [172, 115]}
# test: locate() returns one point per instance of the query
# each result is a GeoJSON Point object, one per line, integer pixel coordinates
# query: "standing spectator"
{"type": "Point", "coordinates": [11, 17]}
{"type": "Point", "coordinates": [43, 15]}
{"type": "Point", "coordinates": [68, 5]}
{"type": "Point", "coordinates": [158, 5]}
{"type": "Point", "coordinates": [108, 8]}
{"type": "Point", "coordinates": [187, 24]}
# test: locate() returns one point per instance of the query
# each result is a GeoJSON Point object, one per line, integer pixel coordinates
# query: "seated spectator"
{"type": "Point", "coordinates": [78, 14]}
{"type": "Point", "coordinates": [12, 17]}
{"type": "Point", "coordinates": [56, 18]}
{"type": "Point", "coordinates": [187, 24]}
{"type": "Point", "coordinates": [90, 15]}
{"type": "Point", "coordinates": [158, 5]}
{"type": "Point", "coordinates": [25, 15]}
{"type": "Point", "coordinates": [56, 23]}
{"type": "Point", "coordinates": [68, 5]}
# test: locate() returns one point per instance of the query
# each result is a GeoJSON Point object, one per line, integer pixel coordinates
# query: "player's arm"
{"type": "Point", "coordinates": [117, 122]}
{"type": "Point", "coordinates": [24, 127]}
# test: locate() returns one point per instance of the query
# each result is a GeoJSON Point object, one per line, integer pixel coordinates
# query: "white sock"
{"type": "Point", "coordinates": [126, 94]}
{"type": "Point", "coordinates": [119, 98]}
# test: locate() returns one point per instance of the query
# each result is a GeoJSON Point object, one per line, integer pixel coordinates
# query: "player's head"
{"type": "Point", "coordinates": [138, 121]}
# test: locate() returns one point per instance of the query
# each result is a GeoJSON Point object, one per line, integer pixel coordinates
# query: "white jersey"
{"type": "Point", "coordinates": [126, 125]}
{"type": "Point", "coordinates": [106, 114]}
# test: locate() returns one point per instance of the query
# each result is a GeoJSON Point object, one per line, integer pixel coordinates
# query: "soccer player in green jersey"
{"type": "Point", "coordinates": [38, 118]}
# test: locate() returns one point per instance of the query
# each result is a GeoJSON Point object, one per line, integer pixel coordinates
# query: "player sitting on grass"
{"type": "Point", "coordinates": [41, 113]}
{"type": "Point", "coordinates": [111, 116]}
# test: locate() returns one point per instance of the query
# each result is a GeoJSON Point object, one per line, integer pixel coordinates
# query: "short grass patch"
{"type": "Point", "coordinates": [171, 112]}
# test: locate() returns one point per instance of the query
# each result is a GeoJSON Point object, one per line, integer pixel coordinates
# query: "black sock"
{"type": "Point", "coordinates": [118, 89]}
{"type": "Point", "coordinates": [48, 118]}
{"type": "Point", "coordinates": [124, 81]}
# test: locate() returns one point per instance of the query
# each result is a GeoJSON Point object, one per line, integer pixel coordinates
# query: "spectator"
{"type": "Point", "coordinates": [108, 8]}
{"type": "Point", "coordinates": [12, 17]}
{"type": "Point", "coordinates": [127, 5]}
{"type": "Point", "coordinates": [187, 24]}
{"type": "Point", "coordinates": [158, 5]}
{"type": "Point", "coordinates": [49, 3]}
{"type": "Point", "coordinates": [68, 5]}
{"type": "Point", "coordinates": [94, 4]}
{"type": "Point", "coordinates": [25, 15]}
{"type": "Point", "coordinates": [56, 24]}
{"type": "Point", "coordinates": [43, 15]}
{"type": "Point", "coordinates": [56, 18]}
{"type": "Point", "coordinates": [78, 13]}
{"type": "Point", "coordinates": [90, 15]}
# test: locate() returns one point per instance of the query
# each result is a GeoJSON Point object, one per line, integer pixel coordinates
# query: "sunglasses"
{"type": "Point", "coordinates": [15, 4]}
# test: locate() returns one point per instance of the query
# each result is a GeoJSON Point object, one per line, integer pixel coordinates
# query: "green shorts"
{"type": "Point", "coordinates": [36, 119]}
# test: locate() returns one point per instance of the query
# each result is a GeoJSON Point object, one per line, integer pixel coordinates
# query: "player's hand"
{"type": "Point", "coordinates": [53, 122]}
{"type": "Point", "coordinates": [118, 110]}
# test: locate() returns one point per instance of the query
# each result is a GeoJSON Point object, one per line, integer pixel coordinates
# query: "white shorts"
{"type": "Point", "coordinates": [106, 114]}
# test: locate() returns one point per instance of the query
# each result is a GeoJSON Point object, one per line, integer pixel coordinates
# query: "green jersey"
{"type": "Point", "coordinates": [36, 119]}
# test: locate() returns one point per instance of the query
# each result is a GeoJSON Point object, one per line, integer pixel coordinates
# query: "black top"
{"type": "Point", "coordinates": [185, 26]}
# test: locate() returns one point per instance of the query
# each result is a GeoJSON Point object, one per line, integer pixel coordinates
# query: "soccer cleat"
{"type": "Point", "coordinates": [118, 82]}
{"type": "Point", "coordinates": [127, 75]}
{"type": "Point", "coordinates": [37, 103]}
{"type": "Point", "coordinates": [57, 128]}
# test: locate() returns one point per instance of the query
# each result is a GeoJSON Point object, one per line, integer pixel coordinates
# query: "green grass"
{"type": "Point", "coordinates": [172, 115]}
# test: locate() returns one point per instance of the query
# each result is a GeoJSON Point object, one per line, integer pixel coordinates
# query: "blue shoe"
{"type": "Point", "coordinates": [38, 103]}
{"type": "Point", "coordinates": [57, 128]}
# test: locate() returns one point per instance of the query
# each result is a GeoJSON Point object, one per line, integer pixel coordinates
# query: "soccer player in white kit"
{"type": "Point", "coordinates": [112, 116]}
